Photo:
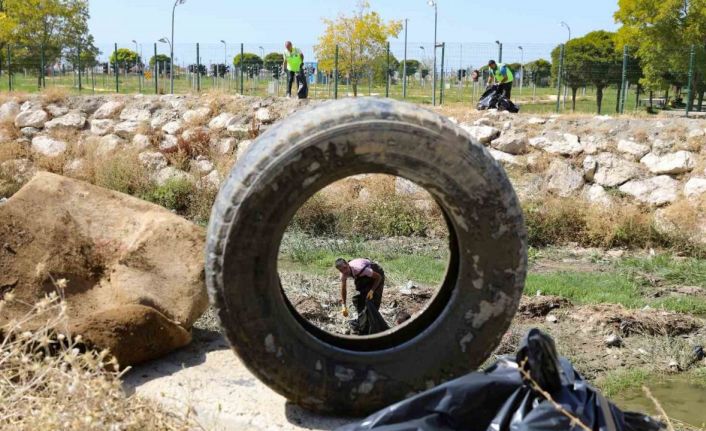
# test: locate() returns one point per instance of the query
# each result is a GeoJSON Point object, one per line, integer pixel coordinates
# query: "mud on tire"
{"type": "Point", "coordinates": [463, 322]}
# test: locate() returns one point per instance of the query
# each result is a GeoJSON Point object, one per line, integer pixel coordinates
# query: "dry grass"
{"type": "Point", "coordinates": [48, 381]}
{"type": "Point", "coordinates": [54, 95]}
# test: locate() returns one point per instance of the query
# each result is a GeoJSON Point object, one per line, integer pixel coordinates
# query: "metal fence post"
{"type": "Point", "coordinates": [42, 83]}
{"type": "Point", "coordinates": [387, 74]}
{"type": "Point", "coordinates": [78, 50]}
{"type": "Point", "coordinates": [443, 53]}
{"type": "Point", "coordinates": [690, 93]}
{"type": "Point", "coordinates": [335, 74]}
{"type": "Point", "coordinates": [198, 69]}
{"type": "Point", "coordinates": [156, 71]}
{"type": "Point", "coordinates": [9, 68]}
{"type": "Point", "coordinates": [559, 77]}
{"type": "Point", "coordinates": [242, 63]}
{"type": "Point", "coordinates": [116, 70]}
{"type": "Point", "coordinates": [404, 64]}
{"type": "Point", "coordinates": [623, 82]}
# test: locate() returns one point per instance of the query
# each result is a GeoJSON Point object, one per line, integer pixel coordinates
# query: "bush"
{"type": "Point", "coordinates": [175, 195]}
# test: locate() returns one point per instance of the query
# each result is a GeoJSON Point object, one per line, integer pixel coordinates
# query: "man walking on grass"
{"type": "Point", "coordinates": [369, 279]}
{"type": "Point", "coordinates": [293, 60]}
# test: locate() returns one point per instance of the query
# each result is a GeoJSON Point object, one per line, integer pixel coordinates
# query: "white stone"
{"type": "Point", "coordinates": [263, 115]}
{"type": "Point", "coordinates": [171, 173]}
{"type": "Point", "coordinates": [197, 116]}
{"type": "Point", "coordinates": [237, 125]}
{"type": "Point", "coordinates": [512, 143]}
{"type": "Point", "coordinates": [633, 148]}
{"type": "Point", "coordinates": [594, 144]}
{"type": "Point", "coordinates": [163, 117]}
{"type": "Point", "coordinates": [202, 165]}
{"type": "Point", "coordinates": [136, 114]}
{"type": "Point", "coordinates": [153, 160]}
{"type": "Point", "coordinates": [405, 187]}
{"type": "Point", "coordinates": [8, 111]}
{"type": "Point", "coordinates": [126, 129]}
{"type": "Point", "coordinates": [672, 163]}
{"type": "Point", "coordinates": [590, 165]}
{"type": "Point", "coordinates": [660, 146]}
{"type": "Point", "coordinates": [102, 127]}
{"type": "Point", "coordinates": [597, 195]}
{"type": "Point", "coordinates": [657, 191]}
{"type": "Point", "coordinates": [505, 158]}
{"type": "Point", "coordinates": [109, 143]}
{"type": "Point", "coordinates": [141, 142]}
{"type": "Point", "coordinates": [108, 110]}
{"type": "Point", "coordinates": [537, 121]}
{"type": "Point", "coordinates": [563, 179]}
{"type": "Point", "coordinates": [213, 179]}
{"type": "Point", "coordinates": [695, 188]}
{"type": "Point", "coordinates": [172, 127]}
{"type": "Point", "coordinates": [613, 170]}
{"type": "Point", "coordinates": [565, 144]}
{"type": "Point", "coordinates": [47, 146]}
{"type": "Point", "coordinates": [57, 110]}
{"type": "Point", "coordinates": [482, 134]}
{"type": "Point", "coordinates": [169, 143]}
{"type": "Point", "coordinates": [31, 118]}
{"type": "Point", "coordinates": [483, 122]}
{"type": "Point", "coordinates": [74, 166]}
{"type": "Point", "coordinates": [220, 122]}
{"type": "Point", "coordinates": [29, 132]}
{"type": "Point", "coordinates": [242, 148]}
{"type": "Point", "coordinates": [225, 146]}
{"type": "Point", "coordinates": [72, 120]}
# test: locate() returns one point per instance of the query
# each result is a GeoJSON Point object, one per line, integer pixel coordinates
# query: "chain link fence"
{"type": "Point", "coordinates": [544, 82]}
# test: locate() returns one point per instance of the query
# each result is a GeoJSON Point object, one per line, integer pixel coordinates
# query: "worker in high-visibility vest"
{"type": "Point", "coordinates": [502, 75]}
{"type": "Point", "coordinates": [293, 60]}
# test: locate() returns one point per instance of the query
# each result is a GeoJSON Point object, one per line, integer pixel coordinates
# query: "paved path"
{"type": "Point", "coordinates": [209, 378]}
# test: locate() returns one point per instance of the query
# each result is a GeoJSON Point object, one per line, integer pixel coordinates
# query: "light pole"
{"type": "Point", "coordinates": [563, 24]}
{"type": "Point", "coordinates": [434, 4]}
{"type": "Point", "coordinates": [171, 65]}
{"type": "Point", "coordinates": [566, 88]}
{"type": "Point", "coordinates": [522, 68]}
{"type": "Point", "coordinates": [500, 51]}
{"type": "Point", "coordinates": [404, 63]}
{"type": "Point", "coordinates": [171, 48]}
{"type": "Point", "coordinates": [139, 66]}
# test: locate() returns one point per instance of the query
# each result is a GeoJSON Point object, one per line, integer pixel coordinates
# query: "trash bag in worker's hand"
{"type": "Point", "coordinates": [536, 390]}
{"type": "Point", "coordinates": [370, 321]}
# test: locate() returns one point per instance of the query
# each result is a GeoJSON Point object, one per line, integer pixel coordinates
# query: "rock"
{"type": "Point", "coordinates": [74, 167]}
{"type": "Point", "coordinates": [126, 129]}
{"type": "Point", "coordinates": [673, 366]}
{"type": "Point", "coordinates": [220, 122]}
{"type": "Point", "coordinates": [89, 104]}
{"type": "Point", "coordinates": [47, 146]}
{"type": "Point", "coordinates": [613, 171]}
{"type": "Point", "coordinates": [136, 114]}
{"type": "Point", "coordinates": [202, 165]}
{"type": "Point", "coordinates": [198, 133]}
{"type": "Point", "coordinates": [9, 111]}
{"type": "Point", "coordinates": [565, 144]}
{"type": "Point", "coordinates": [31, 118]}
{"type": "Point", "coordinates": [57, 110]}
{"type": "Point", "coordinates": [409, 289]}
{"type": "Point", "coordinates": [124, 291]}
{"type": "Point", "coordinates": [536, 121]}
{"type": "Point", "coordinates": [660, 146]}
{"type": "Point", "coordinates": [590, 165]}
{"type": "Point", "coordinates": [482, 134]}
{"type": "Point", "coordinates": [238, 124]}
{"type": "Point", "coordinates": [672, 163]}
{"type": "Point", "coordinates": [505, 158]}
{"type": "Point", "coordinates": [552, 318]}
{"type": "Point", "coordinates": [654, 191]}
{"type": "Point", "coordinates": [226, 146]}
{"type": "Point", "coordinates": [153, 160]}
{"type": "Point", "coordinates": [633, 148]}
{"type": "Point", "coordinates": [141, 142]}
{"type": "Point", "coordinates": [29, 132]}
{"type": "Point", "coordinates": [213, 180]}
{"type": "Point", "coordinates": [483, 122]}
{"type": "Point", "coordinates": [563, 179]}
{"type": "Point", "coordinates": [264, 115]}
{"type": "Point", "coordinates": [163, 117]}
{"type": "Point", "coordinates": [171, 173]}
{"type": "Point", "coordinates": [597, 195]}
{"type": "Point", "coordinates": [108, 144]}
{"type": "Point", "coordinates": [695, 188]}
{"type": "Point", "coordinates": [73, 120]}
{"type": "Point", "coordinates": [242, 148]}
{"type": "Point", "coordinates": [102, 127]}
{"type": "Point", "coordinates": [108, 110]}
{"type": "Point", "coordinates": [196, 116]}
{"type": "Point", "coordinates": [405, 187]}
{"type": "Point", "coordinates": [594, 144]}
{"type": "Point", "coordinates": [512, 143]}
{"type": "Point", "coordinates": [172, 127]}
{"type": "Point", "coordinates": [613, 341]}
{"type": "Point", "coordinates": [169, 143]}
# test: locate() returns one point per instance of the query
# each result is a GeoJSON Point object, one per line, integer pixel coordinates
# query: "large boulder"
{"type": "Point", "coordinates": [565, 144]}
{"type": "Point", "coordinates": [109, 110]}
{"type": "Point", "coordinates": [9, 111]}
{"type": "Point", "coordinates": [36, 118]}
{"type": "Point", "coordinates": [656, 191]}
{"type": "Point", "coordinates": [563, 179]}
{"type": "Point", "coordinates": [672, 163]}
{"type": "Point", "coordinates": [47, 146]}
{"type": "Point", "coordinates": [196, 116]}
{"type": "Point", "coordinates": [102, 127]}
{"type": "Point", "coordinates": [512, 143]}
{"type": "Point", "coordinates": [612, 170]}
{"type": "Point", "coordinates": [134, 279]}
{"type": "Point", "coordinates": [695, 188]}
{"type": "Point", "coordinates": [483, 134]}
{"type": "Point", "coordinates": [632, 148]}
{"type": "Point", "coordinates": [220, 122]}
{"type": "Point", "coordinates": [73, 120]}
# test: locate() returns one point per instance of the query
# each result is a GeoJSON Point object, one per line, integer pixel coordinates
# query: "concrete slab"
{"type": "Point", "coordinates": [208, 378]}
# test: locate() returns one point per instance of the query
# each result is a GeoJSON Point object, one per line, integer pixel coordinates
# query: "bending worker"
{"type": "Point", "coordinates": [369, 279]}
{"type": "Point", "coordinates": [293, 60]}
{"type": "Point", "coordinates": [502, 75]}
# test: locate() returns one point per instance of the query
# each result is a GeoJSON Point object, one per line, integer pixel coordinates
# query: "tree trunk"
{"type": "Point", "coordinates": [701, 98]}
{"type": "Point", "coordinates": [573, 98]}
{"type": "Point", "coordinates": [599, 98]}
{"type": "Point", "coordinates": [617, 99]}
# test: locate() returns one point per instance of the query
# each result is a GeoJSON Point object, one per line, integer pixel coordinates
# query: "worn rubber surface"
{"type": "Point", "coordinates": [313, 148]}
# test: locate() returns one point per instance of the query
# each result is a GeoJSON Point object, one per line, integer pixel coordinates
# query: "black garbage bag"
{"type": "Point", "coordinates": [494, 98]}
{"type": "Point", "coordinates": [303, 86]}
{"type": "Point", "coordinates": [370, 321]}
{"type": "Point", "coordinates": [500, 398]}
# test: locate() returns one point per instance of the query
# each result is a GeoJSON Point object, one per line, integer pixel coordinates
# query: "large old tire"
{"type": "Point", "coordinates": [290, 162]}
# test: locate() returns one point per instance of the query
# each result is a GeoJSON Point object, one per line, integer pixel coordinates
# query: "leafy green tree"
{"type": "Point", "coordinates": [380, 71]}
{"type": "Point", "coordinates": [163, 61]}
{"type": "Point", "coordinates": [412, 67]}
{"type": "Point", "coordinates": [125, 58]}
{"type": "Point", "coordinates": [273, 62]}
{"type": "Point", "coordinates": [200, 69]}
{"type": "Point", "coordinates": [250, 63]}
{"type": "Point", "coordinates": [219, 70]}
{"type": "Point", "coordinates": [538, 71]}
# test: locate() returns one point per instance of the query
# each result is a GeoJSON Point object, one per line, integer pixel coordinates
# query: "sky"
{"type": "Point", "coordinates": [534, 25]}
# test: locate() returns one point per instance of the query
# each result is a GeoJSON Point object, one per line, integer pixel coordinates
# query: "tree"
{"type": "Point", "coordinates": [379, 68]}
{"type": "Point", "coordinates": [273, 63]}
{"type": "Point", "coordinates": [200, 69]}
{"type": "Point", "coordinates": [163, 61]}
{"type": "Point", "coordinates": [539, 70]}
{"type": "Point", "coordinates": [663, 33]}
{"type": "Point", "coordinates": [79, 46]}
{"type": "Point", "coordinates": [412, 67]}
{"type": "Point", "coordinates": [251, 63]}
{"type": "Point", "coordinates": [361, 37]}
{"type": "Point", "coordinates": [219, 70]}
{"type": "Point", "coordinates": [125, 57]}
